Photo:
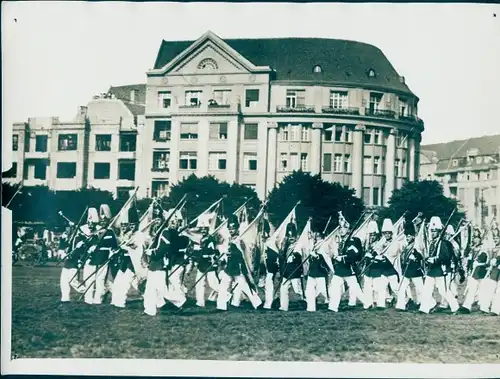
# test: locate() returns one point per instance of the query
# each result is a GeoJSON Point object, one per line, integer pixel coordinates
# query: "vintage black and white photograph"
{"type": "Point", "coordinates": [217, 182]}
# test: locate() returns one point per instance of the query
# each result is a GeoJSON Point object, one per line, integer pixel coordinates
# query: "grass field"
{"type": "Point", "coordinates": [43, 328]}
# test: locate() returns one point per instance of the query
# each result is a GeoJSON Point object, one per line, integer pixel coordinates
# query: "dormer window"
{"type": "Point", "coordinates": [317, 69]}
{"type": "Point", "coordinates": [207, 64]}
{"type": "Point", "coordinates": [478, 160]}
{"type": "Point", "coordinates": [371, 73]}
{"type": "Point", "coordinates": [454, 163]}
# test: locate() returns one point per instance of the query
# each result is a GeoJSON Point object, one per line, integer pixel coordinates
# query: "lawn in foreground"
{"type": "Point", "coordinates": [42, 328]}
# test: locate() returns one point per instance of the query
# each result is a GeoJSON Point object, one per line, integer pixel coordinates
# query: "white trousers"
{"type": "Point", "coordinates": [65, 283]}
{"type": "Point", "coordinates": [374, 290]}
{"type": "Point", "coordinates": [95, 284]}
{"type": "Point", "coordinates": [452, 285]}
{"type": "Point", "coordinates": [314, 287]}
{"type": "Point", "coordinates": [473, 290]}
{"type": "Point", "coordinates": [241, 288]}
{"type": "Point", "coordinates": [402, 294]}
{"type": "Point", "coordinates": [392, 282]}
{"type": "Point", "coordinates": [428, 301]}
{"type": "Point", "coordinates": [285, 289]}
{"type": "Point", "coordinates": [489, 298]}
{"type": "Point", "coordinates": [156, 291]}
{"type": "Point", "coordinates": [213, 282]}
{"type": "Point", "coordinates": [336, 288]}
{"type": "Point", "coordinates": [174, 279]}
{"type": "Point", "coordinates": [121, 285]}
{"type": "Point", "coordinates": [269, 291]}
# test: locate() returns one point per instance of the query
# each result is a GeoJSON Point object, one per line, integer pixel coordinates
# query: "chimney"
{"type": "Point", "coordinates": [132, 96]}
{"type": "Point", "coordinates": [82, 111]}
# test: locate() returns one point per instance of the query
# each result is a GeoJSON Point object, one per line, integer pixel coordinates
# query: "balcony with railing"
{"type": "Point", "coordinates": [341, 111]}
{"type": "Point", "coordinates": [296, 109]}
{"type": "Point", "coordinates": [382, 113]}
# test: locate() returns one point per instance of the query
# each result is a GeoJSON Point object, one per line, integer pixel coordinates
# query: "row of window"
{"type": "Point", "coordinates": [297, 132]}
{"type": "Point", "coordinates": [69, 142]}
{"type": "Point", "coordinates": [193, 98]}
{"type": "Point", "coordinates": [188, 160]}
{"type": "Point", "coordinates": [217, 131]}
{"type": "Point", "coordinates": [295, 98]}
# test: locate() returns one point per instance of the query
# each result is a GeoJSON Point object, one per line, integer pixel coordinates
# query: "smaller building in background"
{"type": "Point", "coordinates": [469, 171]}
{"type": "Point", "coordinates": [99, 148]}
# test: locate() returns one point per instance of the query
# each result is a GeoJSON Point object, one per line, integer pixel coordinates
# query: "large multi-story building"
{"type": "Point", "coordinates": [469, 171]}
{"type": "Point", "coordinates": [97, 149]}
{"type": "Point", "coordinates": [254, 110]}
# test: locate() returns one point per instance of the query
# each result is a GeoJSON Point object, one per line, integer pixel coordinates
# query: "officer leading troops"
{"type": "Point", "coordinates": [438, 264]}
{"type": "Point", "coordinates": [412, 262]}
{"type": "Point", "coordinates": [235, 271]}
{"type": "Point", "coordinates": [207, 258]}
{"type": "Point", "coordinates": [344, 272]}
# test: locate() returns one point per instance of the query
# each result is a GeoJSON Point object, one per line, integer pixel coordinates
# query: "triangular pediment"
{"type": "Point", "coordinates": [208, 59]}
{"type": "Point", "coordinates": [209, 54]}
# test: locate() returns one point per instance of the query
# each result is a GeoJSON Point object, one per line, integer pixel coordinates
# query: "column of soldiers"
{"type": "Point", "coordinates": [384, 268]}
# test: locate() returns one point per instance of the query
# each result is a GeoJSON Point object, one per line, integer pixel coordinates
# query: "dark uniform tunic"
{"type": "Point", "coordinates": [176, 250]}
{"type": "Point", "coordinates": [480, 271]}
{"type": "Point", "coordinates": [76, 254]}
{"type": "Point", "coordinates": [374, 267]}
{"type": "Point", "coordinates": [101, 254]}
{"type": "Point", "coordinates": [318, 267]}
{"type": "Point", "coordinates": [292, 270]}
{"type": "Point", "coordinates": [495, 271]}
{"type": "Point", "coordinates": [350, 252]}
{"type": "Point", "coordinates": [412, 268]}
{"type": "Point", "coordinates": [235, 263]}
{"type": "Point", "coordinates": [124, 262]}
{"type": "Point", "coordinates": [442, 264]}
{"type": "Point", "coordinates": [272, 261]}
{"type": "Point", "coordinates": [207, 255]}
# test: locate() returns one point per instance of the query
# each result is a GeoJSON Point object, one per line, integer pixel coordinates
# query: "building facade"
{"type": "Point", "coordinates": [252, 111]}
{"type": "Point", "coordinates": [97, 149]}
{"type": "Point", "coordinates": [469, 171]}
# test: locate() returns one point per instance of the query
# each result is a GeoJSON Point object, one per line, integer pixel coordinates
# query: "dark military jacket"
{"type": "Point", "coordinates": [105, 245]}
{"type": "Point", "coordinates": [442, 264]}
{"type": "Point", "coordinates": [350, 252]}
{"type": "Point", "coordinates": [479, 272]}
{"type": "Point", "coordinates": [318, 267]}
{"type": "Point", "coordinates": [207, 255]}
{"type": "Point", "coordinates": [412, 268]}
{"type": "Point", "coordinates": [272, 261]}
{"type": "Point", "coordinates": [495, 270]}
{"type": "Point", "coordinates": [75, 254]}
{"type": "Point", "coordinates": [292, 270]}
{"type": "Point", "coordinates": [235, 263]}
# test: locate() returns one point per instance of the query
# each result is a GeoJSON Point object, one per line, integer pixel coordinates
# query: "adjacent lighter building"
{"type": "Point", "coordinates": [97, 149]}
{"type": "Point", "coordinates": [254, 110]}
{"type": "Point", "coordinates": [469, 171]}
{"type": "Point", "coordinates": [249, 111]}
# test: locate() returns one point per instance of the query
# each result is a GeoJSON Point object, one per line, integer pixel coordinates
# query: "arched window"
{"type": "Point", "coordinates": [317, 69]}
{"type": "Point", "coordinates": [207, 64]}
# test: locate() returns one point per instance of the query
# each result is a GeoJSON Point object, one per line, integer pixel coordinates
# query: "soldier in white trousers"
{"type": "Point", "coordinates": [316, 279]}
{"type": "Point", "coordinates": [235, 276]}
{"type": "Point", "coordinates": [480, 262]}
{"type": "Point", "coordinates": [438, 264]}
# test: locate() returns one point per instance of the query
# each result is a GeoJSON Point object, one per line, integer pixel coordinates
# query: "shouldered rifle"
{"type": "Point", "coordinates": [73, 235]}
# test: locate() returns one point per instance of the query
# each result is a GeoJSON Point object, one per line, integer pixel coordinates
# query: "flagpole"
{"type": "Point", "coordinates": [21, 185]}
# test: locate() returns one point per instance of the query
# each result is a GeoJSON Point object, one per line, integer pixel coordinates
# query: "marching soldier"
{"type": "Point", "coordinates": [438, 264]}
{"type": "Point", "coordinates": [96, 266]}
{"type": "Point", "coordinates": [316, 279]}
{"type": "Point", "coordinates": [490, 286]}
{"type": "Point", "coordinates": [235, 271]}
{"type": "Point", "coordinates": [457, 274]}
{"type": "Point", "coordinates": [391, 262]}
{"type": "Point", "coordinates": [479, 269]}
{"type": "Point", "coordinates": [412, 262]}
{"type": "Point", "coordinates": [156, 290]}
{"type": "Point", "coordinates": [132, 242]}
{"type": "Point", "coordinates": [344, 270]}
{"type": "Point", "coordinates": [291, 273]}
{"type": "Point", "coordinates": [374, 269]}
{"type": "Point", "coordinates": [207, 257]}
{"type": "Point", "coordinates": [272, 262]}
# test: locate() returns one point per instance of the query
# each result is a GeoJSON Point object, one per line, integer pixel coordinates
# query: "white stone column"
{"type": "Point", "coordinates": [418, 139]}
{"type": "Point", "coordinates": [390, 157]}
{"type": "Point", "coordinates": [272, 148]}
{"type": "Point", "coordinates": [411, 158]}
{"type": "Point", "coordinates": [315, 159]}
{"type": "Point", "coordinates": [174, 153]}
{"type": "Point", "coordinates": [202, 153]}
{"type": "Point", "coordinates": [261, 160]}
{"type": "Point", "coordinates": [357, 160]}
{"type": "Point", "coordinates": [233, 147]}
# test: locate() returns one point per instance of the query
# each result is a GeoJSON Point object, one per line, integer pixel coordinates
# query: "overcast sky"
{"type": "Point", "coordinates": [56, 56]}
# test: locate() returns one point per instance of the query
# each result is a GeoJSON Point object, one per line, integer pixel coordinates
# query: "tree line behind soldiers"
{"type": "Point", "coordinates": [155, 253]}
